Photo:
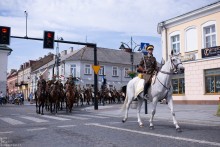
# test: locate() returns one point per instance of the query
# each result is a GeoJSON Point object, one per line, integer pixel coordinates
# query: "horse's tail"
{"type": "Point", "coordinates": [125, 102]}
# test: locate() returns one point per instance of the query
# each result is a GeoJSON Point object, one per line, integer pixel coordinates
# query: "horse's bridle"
{"type": "Point", "coordinates": [174, 68]}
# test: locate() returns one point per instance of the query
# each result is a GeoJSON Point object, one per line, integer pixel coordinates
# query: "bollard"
{"type": "Point", "coordinates": [218, 111]}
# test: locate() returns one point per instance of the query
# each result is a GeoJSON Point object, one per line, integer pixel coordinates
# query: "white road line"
{"type": "Point", "coordinates": [6, 132]}
{"type": "Point", "coordinates": [156, 135]}
{"type": "Point", "coordinates": [75, 117]}
{"type": "Point", "coordinates": [14, 114]}
{"type": "Point", "coordinates": [36, 129]}
{"type": "Point", "coordinates": [54, 117]}
{"type": "Point", "coordinates": [108, 115]}
{"type": "Point", "coordinates": [94, 116]}
{"type": "Point", "coordinates": [12, 121]}
{"type": "Point", "coordinates": [66, 126]}
{"type": "Point", "coordinates": [34, 119]}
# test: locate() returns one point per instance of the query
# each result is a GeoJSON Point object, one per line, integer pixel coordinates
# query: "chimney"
{"type": "Point", "coordinates": [71, 49]}
{"type": "Point", "coordinates": [63, 53]}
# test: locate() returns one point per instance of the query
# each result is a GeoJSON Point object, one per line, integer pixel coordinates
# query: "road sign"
{"type": "Point", "coordinates": [144, 45]}
{"type": "Point", "coordinates": [96, 68]}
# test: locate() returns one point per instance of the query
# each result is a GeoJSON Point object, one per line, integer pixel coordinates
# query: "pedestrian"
{"type": "Point", "coordinates": [31, 97]}
{"type": "Point", "coordinates": [1, 97]}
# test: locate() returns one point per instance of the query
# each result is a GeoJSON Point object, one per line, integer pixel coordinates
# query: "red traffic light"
{"type": "Point", "coordinates": [49, 35]}
{"type": "Point", "coordinates": [4, 30]}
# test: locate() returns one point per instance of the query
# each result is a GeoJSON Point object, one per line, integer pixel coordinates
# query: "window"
{"type": "Point", "coordinates": [212, 81]}
{"type": "Point", "coordinates": [126, 72]}
{"type": "Point", "coordinates": [178, 83]}
{"type": "Point", "coordinates": [87, 69]}
{"type": "Point", "coordinates": [73, 70]}
{"type": "Point", "coordinates": [101, 71]}
{"type": "Point", "coordinates": [209, 36]}
{"type": "Point", "coordinates": [191, 39]}
{"type": "Point", "coordinates": [114, 71]}
{"type": "Point", "coordinates": [62, 69]}
{"type": "Point", "coordinates": [175, 43]}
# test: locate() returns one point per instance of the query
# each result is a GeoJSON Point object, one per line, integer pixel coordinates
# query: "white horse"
{"type": "Point", "coordinates": [159, 90]}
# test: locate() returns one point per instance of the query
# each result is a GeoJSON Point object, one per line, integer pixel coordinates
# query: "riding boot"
{"type": "Point", "coordinates": [146, 85]}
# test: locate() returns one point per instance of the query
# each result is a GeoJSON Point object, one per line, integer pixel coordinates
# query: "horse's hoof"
{"type": "Point", "coordinates": [123, 120]}
{"type": "Point", "coordinates": [151, 127]}
{"type": "Point", "coordinates": [178, 130]}
{"type": "Point", "coordinates": [141, 125]}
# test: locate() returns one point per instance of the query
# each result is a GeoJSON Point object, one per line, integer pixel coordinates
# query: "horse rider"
{"type": "Point", "coordinates": [42, 82]}
{"type": "Point", "coordinates": [70, 81]}
{"type": "Point", "coordinates": [147, 66]}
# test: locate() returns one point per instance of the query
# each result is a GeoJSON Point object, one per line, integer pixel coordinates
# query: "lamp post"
{"type": "Point", "coordinates": [26, 14]}
{"type": "Point", "coordinates": [57, 55]}
{"type": "Point", "coordinates": [131, 50]}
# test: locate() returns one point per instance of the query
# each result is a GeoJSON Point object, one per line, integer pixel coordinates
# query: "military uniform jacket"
{"type": "Point", "coordinates": [151, 64]}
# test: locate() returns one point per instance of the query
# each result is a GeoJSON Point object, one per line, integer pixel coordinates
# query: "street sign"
{"type": "Point", "coordinates": [144, 45]}
{"type": "Point", "coordinates": [96, 68]}
{"type": "Point", "coordinates": [143, 48]}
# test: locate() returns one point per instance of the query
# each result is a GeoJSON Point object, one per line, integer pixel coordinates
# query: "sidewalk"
{"type": "Point", "coordinates": [197, 114]}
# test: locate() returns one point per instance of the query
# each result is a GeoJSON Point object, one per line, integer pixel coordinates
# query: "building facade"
{"type": "Point", "coordinates": [12, 80]}
{"type": "Point", "coordinates": [4, 53]}
{"type": "Point", "coordinates": [195, 36]}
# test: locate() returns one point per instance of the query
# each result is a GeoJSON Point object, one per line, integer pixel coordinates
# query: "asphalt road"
{"type": "Point", "coordinates": [21, 126]}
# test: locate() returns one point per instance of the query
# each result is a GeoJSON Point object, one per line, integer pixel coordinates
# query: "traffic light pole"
{"type": "Point", "coordinates": [92, 45]}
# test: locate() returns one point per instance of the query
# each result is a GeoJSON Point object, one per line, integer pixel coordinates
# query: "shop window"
{"type": "Point", "coordinates": [178, 83]}
{"type": "Point", "coordinates": [212, 81]}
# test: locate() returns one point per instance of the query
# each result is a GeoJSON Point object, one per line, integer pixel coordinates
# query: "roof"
{"type": "Point", "coordinates": [105, 55]}
{"type": "Point", "coordinates": [185, 15]}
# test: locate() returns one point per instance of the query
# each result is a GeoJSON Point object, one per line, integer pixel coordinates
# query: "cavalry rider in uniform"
{"type": "Point", "coordinates": [147, 67]}
{"type": "Point", "coordinates": [41, 82]}
{"type": "Point", "coordinates": [70, 81]}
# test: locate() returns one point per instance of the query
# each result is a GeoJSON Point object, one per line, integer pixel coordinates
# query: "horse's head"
{"type": "Point", "coordinates": [176, 63]}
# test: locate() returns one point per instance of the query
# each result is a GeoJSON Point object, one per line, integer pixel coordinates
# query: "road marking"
{"type": "Point", "coordinates": [75, 117]}
{"type": "Point", "coordinates": [108, 115]}
{"type": "Point", "coordinates": [65, 126]}
{"type": "Point", "coordinates": [36, 129]}
{"type": "Point", "coordinates": [14, 114]}
{"type": "Point", "coordinates": [12, 121]}
{"type": "Point", "coordinates": [94, 116]}
{"type": "Point", "coordinates": [156, 135]}
{"type": "Point", "coordinates": [34, 119]}
{"type": "Point", "coordinates": [54, 117]}
{"type": "Point", "coordinates": [6, 132]}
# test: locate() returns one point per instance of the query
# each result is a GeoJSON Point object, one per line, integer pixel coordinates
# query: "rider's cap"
{"type": "Point", "coordinates": [150, 47]}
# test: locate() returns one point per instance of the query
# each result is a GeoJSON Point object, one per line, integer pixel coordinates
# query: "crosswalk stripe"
{"type": "Point", "coordinates": [75, 117]}
{"type": "Point", "coordinates": [38, 120]}
{"type": "Point", "coordinates": [108, 115]}
{"type": "Point", "coordinates": [36, 129]}
{"type": "Point", "coordinates": [6, 132]}
{"type": "Point", "coordinates": [94, 116]}
{"type": "Point", "coordinates": [54, 117]}
{"type": "Point", "coordinates": [65, 126]}
{"type": "Point", "coordinates": [12, 121]}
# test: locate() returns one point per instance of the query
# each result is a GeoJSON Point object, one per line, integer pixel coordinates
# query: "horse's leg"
{"type": "Point", "coordinates": [170, 104]}
{"type": "Point", "coordinates": [42, 113]}
{"type": "Point", "coordinates": [126, 109]}
{"type": "Point", "coordinates": [154, 103]}
{"type": "Point", "coordinates": [140, 102]}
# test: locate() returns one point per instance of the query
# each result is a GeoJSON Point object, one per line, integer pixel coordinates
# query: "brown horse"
{"type": "Point", "coordinates": [54, 97]}
{"type": "Point", "coordinates": [70, 94]}
{"type": "Point", "coordinates": [40, 96]}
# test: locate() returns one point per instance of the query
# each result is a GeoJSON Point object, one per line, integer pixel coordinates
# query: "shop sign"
{"type": "Point", "coordinates": [188, 57]}
{"type": "Point", "coordinates": [212, 51]}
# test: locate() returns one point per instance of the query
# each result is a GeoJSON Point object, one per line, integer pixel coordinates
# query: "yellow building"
{"type": "Point", "coordinates": [196, 36]}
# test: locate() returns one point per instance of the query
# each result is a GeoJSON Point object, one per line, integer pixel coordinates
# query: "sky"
{"type": "Point", "coordinates": [105, 22]}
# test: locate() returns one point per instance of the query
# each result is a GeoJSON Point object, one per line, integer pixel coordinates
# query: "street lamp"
{"type": "Point", "coordinates": [26, 14]}
{"type": "Point", "coordinates": [131, 50]}
{"type": "Point", "coordinates": [57, 55]}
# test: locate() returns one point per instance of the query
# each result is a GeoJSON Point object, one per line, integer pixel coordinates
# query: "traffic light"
{"type": "Point", "coordinates": [5, 35]}
{"type": "Point", "coordinates": [58, 61]}
{"type": "Point", "coordinates": [49, 39]}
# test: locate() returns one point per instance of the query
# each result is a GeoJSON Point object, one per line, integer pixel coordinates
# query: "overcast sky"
{"type": "Point", "coordinates": [105, 22]}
